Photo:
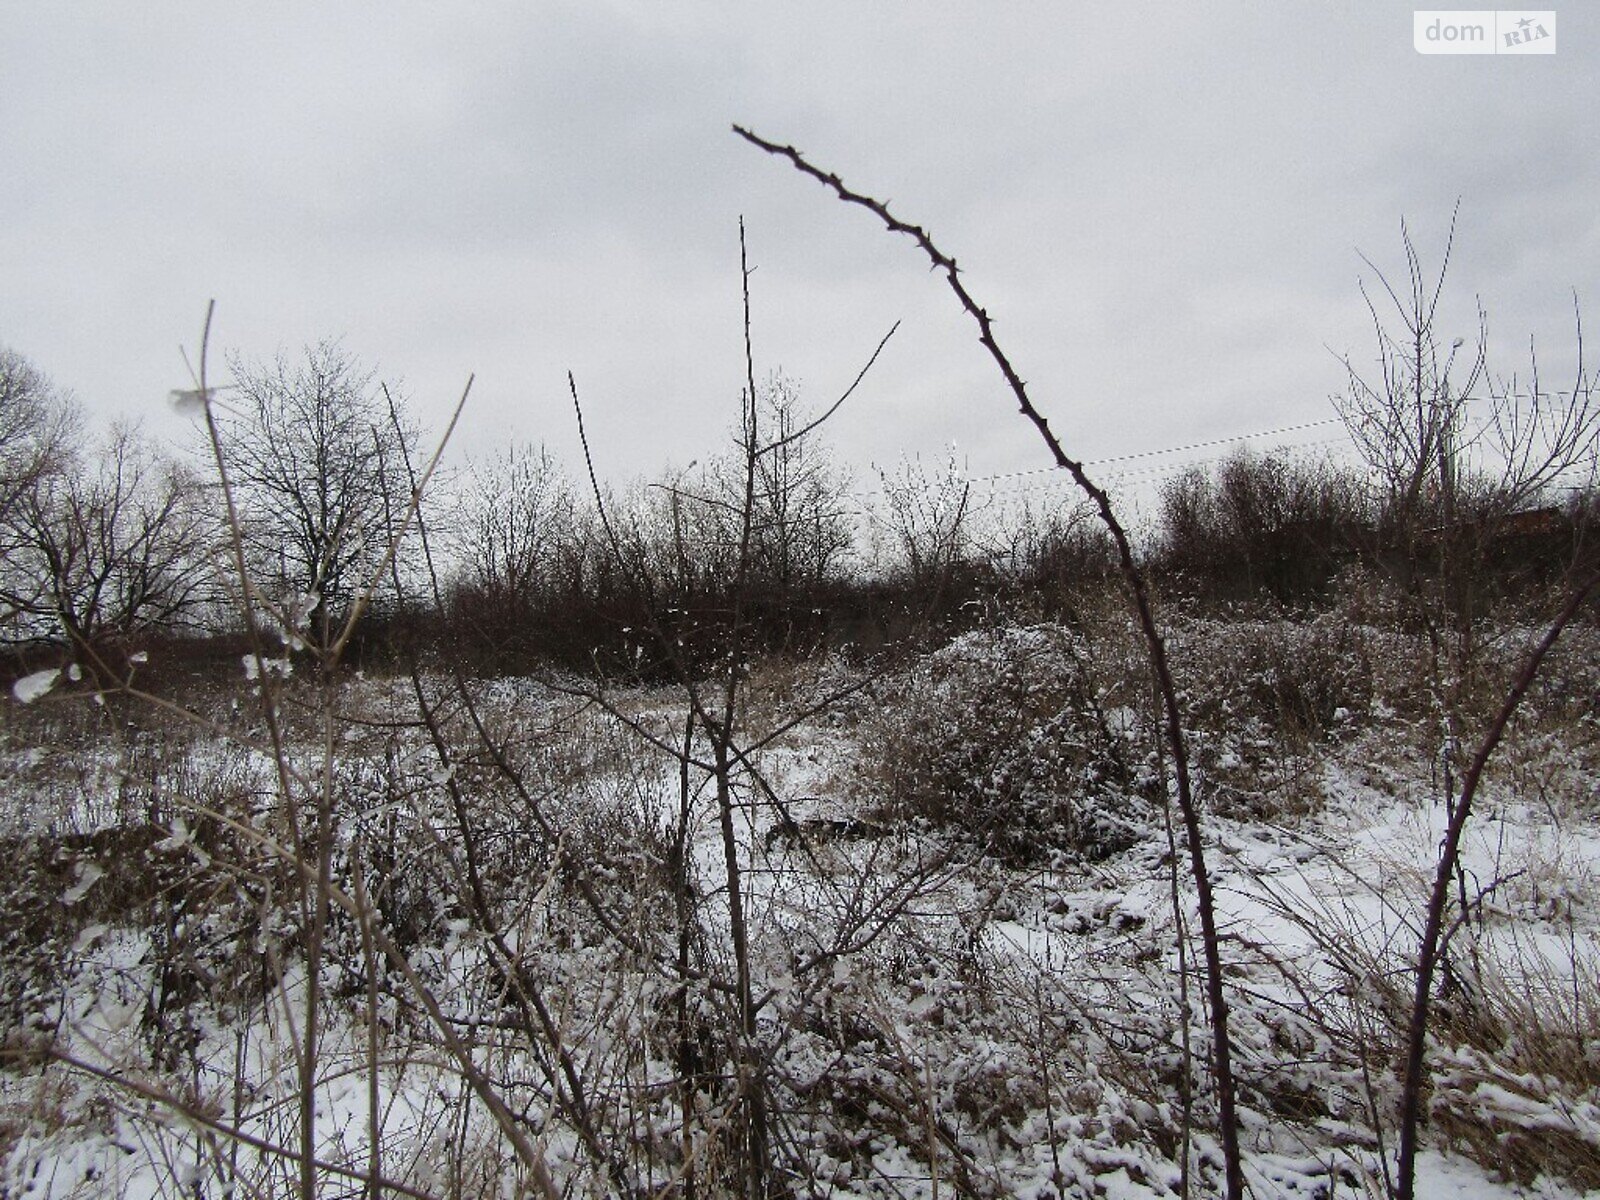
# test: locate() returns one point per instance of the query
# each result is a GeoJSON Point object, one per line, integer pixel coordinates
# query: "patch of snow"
{"type": "Point", "coordinates": [32, 687]}
{"type": "Point", "coordinates": [89, 874]}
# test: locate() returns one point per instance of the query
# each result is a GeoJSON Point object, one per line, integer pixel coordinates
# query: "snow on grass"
{"type": "Point", "coordinates": [1012, 1030]}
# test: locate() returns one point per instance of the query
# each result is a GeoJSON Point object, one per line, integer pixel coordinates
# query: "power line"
{"type": "Point", "coordinates": [1149, 472]}
{"type": "Point", "coordinates": [1226, 441]}
{"type": "Point", "coordinates": [1135, 456]}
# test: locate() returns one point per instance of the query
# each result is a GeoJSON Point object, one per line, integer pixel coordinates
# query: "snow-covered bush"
{"type": "Point", "coordinates": [1006, 736]}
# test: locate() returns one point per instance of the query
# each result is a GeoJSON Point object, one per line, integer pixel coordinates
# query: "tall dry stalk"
{"type": "Point", "coordinates": [1222, 1061]}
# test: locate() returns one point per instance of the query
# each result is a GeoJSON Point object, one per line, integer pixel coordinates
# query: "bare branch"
{"type": "Point", "coordinates": [1222, 1050]}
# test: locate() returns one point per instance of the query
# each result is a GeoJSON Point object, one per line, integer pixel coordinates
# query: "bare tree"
{"type": "Point", "coordinates": [37, 424]}
{"type": "Point", "coordinates": [1451, 484]}
{"type": "Point", "coordinates": [1457, 451]}
{"type": "Point", "coordinates": [927, 521]}
{"type": "Point", "coordinates": [109, 551]}
{"type": "Point", "coordinates": [802, 529]}
{"type": "Point", "coordinates": [1409, 424]}
{"type": "Point", "coordinates": [514, 521]}
{"type": "Point", "coordinates": [38, 429]}
{"type": "Point", "coordinates": [316, 461]}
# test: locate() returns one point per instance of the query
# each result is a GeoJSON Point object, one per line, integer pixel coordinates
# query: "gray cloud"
{"type": "Point", "coordinates": [1162, 205]}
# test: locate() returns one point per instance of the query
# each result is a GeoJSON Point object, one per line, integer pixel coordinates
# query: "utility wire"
{"type": "Point", "coordinates": [1123, 476]}
{"type": "Point", "coordinates": [1226, 441]}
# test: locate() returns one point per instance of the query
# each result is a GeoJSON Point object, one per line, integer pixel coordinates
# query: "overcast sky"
{"type": "Point", "coordinates": [1161, 204]}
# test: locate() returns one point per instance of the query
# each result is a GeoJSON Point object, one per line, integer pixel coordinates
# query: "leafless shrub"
{"type": "Point", "coordinates": [1049, 563]}
{"type": "Point", "coordinates": [1262, 525]}
{"type": "Point", "coordinates": [1286, 678]}
{"type": "Point", "coordinates": [1268, 697]}
{"type": "Point", "coordinates": [927, 524]}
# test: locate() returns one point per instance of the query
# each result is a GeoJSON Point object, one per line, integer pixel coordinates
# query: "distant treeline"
{"type": "Point", "coordinates": [112, 547]}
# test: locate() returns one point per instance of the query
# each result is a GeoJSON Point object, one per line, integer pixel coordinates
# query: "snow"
{"type": "Point", "coordinates": [35, 686]}
{"type": "Point", "coordinates": [1032, 1011]}
{"type": "Point", "coordinates": [88, 874]}
{"type": "Point", "coordinates": [256, 666]}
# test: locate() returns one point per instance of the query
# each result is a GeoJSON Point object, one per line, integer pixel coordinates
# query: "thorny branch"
{"type": "Point", "coordinates": [1449, 854]}
{"type": "Point", "coordinates": [1221, 1050]}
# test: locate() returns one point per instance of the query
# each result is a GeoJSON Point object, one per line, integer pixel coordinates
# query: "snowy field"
{"type": "Point", "coordinates": [964, 919]}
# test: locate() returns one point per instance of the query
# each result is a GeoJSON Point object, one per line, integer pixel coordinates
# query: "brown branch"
{"type": "Point", "coordinates": [834, 407]}
{"type": "Point", "coordinates": [1222, 1050]}
{"type": "Point", "coordinates": [1433, 933]}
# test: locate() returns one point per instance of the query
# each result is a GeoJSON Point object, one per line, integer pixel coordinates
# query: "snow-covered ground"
{"type": "Point", "coordinates": [930, 1017]}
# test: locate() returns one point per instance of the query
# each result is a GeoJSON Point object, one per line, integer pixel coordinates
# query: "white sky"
{"type": "Point", "coordinates": [1161, 204]}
